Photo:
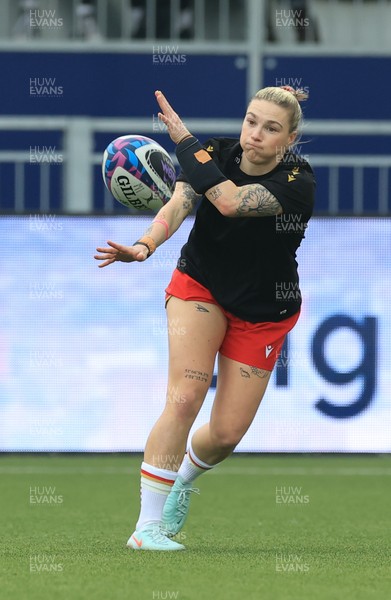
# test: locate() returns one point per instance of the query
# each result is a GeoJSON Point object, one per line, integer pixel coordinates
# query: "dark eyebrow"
{"type": "Point", "coordinates": [270, 121]}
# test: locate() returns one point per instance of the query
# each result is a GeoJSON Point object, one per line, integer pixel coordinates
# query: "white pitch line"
{"type": "Point", "coordinates": [249, 471]}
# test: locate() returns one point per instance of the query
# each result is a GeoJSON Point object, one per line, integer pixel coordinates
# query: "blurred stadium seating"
{"type": "Point", "coordinates": [79, 73]}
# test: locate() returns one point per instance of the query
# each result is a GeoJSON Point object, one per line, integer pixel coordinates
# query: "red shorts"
{"type": "Point", "coordinates": [254, 344]}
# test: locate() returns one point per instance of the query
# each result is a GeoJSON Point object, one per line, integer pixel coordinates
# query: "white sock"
{"type": "Point", "coordinates": [192, 466]}
{"type": "Point", "coordinates": [156, 484]}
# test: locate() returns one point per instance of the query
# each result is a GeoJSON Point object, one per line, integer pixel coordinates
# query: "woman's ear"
{"type": "Point", "coordinates": [292, 137]}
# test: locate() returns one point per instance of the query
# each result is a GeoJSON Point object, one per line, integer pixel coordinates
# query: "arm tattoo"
{"type": "Point", "coordinates": [190, 198]}
{"type": "Point", "coordinates": [255, 200]}
{"type": "Point", "coordinates": [214, 193]}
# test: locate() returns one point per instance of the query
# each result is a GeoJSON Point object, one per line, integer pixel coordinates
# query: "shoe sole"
{"type": "Point", "coordinates": [155, 549]}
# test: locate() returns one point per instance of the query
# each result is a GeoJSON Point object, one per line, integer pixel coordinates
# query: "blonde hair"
{"type": "Point", "coordinates": [286, 97]}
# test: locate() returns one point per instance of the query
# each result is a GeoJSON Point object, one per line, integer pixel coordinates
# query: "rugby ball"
{"type": "Point", "coordinates": [138, 172]}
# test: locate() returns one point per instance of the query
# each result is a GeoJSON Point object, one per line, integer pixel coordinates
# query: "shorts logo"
{"type": "Point", "coordinates": [268, 350]}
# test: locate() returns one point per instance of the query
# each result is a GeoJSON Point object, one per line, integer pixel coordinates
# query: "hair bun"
{"type": "Point", "coordinates": [299, 93]}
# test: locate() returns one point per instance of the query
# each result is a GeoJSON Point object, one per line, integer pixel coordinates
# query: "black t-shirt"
{"type": "Point", "coordinates": [249, 263]}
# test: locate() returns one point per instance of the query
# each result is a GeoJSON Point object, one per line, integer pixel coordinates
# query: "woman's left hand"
{"type": "Point", "coordinates": [176, 128]}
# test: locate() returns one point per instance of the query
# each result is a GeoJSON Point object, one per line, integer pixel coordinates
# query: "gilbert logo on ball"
{"type": "Point", "coordinates": [138, 172]}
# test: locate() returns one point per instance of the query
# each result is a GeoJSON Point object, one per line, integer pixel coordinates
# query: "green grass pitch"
{"type": "Point", "coordinates": [263, 527]}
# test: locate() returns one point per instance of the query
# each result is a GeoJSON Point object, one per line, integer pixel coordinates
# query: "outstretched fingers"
{"type": "Point", "coordinates": [164, 104]}
{"type": "Point", "coordinates": [106, 263]}
{"type": "Point", "coordinates": [107, 258]}
{"type": "Point", "coordinates": [118, 252]}
{"type": "Point", "coordinates": [107, 255]}
{"type": "Point", "coordinates": [176, 128]}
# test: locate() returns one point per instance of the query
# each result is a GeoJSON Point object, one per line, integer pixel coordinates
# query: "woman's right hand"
{"type": "Point", "coordinates": [117, 252]}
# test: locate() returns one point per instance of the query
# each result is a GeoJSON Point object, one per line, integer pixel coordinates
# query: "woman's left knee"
{"type": "Point", "coordinates": [225, 438]}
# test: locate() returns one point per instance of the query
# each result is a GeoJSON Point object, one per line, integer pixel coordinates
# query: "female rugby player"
{"type": "Point", "coordinates": [224, 294]}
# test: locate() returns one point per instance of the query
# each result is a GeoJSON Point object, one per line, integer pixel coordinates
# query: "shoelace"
{"type": "Point", "coordinates": [158, 535]}
{"type": "Point", "coordinates": [182, 498]}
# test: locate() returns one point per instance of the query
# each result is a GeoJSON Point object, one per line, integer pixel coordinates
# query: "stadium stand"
{"type": "Point", "coordinates": [101, 61]}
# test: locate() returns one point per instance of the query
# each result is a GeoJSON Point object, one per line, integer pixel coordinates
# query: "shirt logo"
{"type": "Point", "coordinates": [268, 350]}
{"type": "Point", "coordinates": [291, 176]}
{"type": "Point", "coordinates": [202, 156]}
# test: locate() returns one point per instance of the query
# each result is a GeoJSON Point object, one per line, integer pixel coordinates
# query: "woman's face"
{"type": "Point", "coordinates": [265, 133]}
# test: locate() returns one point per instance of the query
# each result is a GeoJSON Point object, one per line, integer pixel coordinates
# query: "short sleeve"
{"type": "Point", "coordinates": [182, 177]}
{"type": "Point", "coordinates": [294, 189]}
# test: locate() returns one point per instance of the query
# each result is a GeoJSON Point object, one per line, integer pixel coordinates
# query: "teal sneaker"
{"type": "Point", "coordinates": [151, 537]}
{"type": "Point", "coordinates": [176, 506]}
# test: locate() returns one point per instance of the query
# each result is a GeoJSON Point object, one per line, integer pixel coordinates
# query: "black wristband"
{"type": "Point", "coordinates": [146, 245]}
{"type": "Point", "coordinates": [198, 166]}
